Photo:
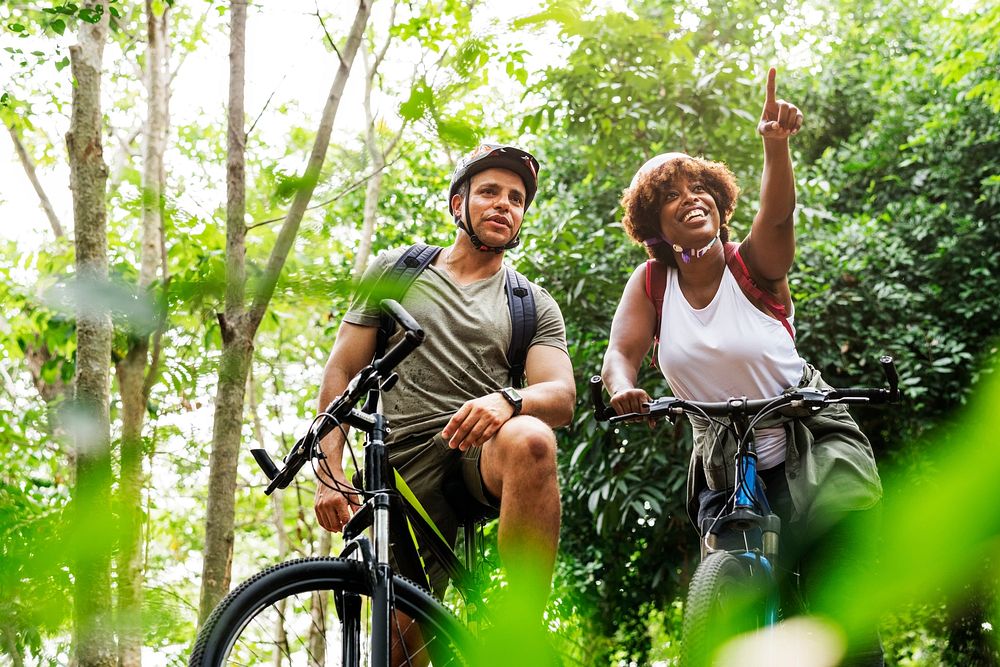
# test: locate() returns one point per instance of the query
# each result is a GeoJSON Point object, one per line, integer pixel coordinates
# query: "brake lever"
{"type": "Point", "coordinates": [666, 407]}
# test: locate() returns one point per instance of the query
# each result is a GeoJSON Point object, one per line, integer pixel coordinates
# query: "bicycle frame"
{"type": "Point", "coordinates": [379, 488]}
{"type": "Point", "coordinates": [744, 518]}
{"type": "Point", "coordinates": [749, 512]}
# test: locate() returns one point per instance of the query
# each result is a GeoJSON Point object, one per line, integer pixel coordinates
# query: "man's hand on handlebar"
{"type": "Point", "coordinates": [334, 508]}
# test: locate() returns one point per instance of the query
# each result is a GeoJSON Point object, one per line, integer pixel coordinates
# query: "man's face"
{"type": "Point", "coordinates": [496, 205]}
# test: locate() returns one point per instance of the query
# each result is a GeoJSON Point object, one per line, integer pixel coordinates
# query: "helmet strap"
{"type": "Point", "coordinates": [687, 254]}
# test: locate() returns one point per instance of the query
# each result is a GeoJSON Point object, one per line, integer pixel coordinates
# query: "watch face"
{"type": "Point", "coordinates": [513, 398]}
{"type": "Point", "coordinates": [511, 394]}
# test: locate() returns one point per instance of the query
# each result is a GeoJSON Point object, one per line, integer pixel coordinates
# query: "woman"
{"type": "Point", "coordinates": [719, 339]}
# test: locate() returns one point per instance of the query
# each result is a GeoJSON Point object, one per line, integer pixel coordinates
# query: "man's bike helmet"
{"type": "Point", "coordinates": [490, 156]}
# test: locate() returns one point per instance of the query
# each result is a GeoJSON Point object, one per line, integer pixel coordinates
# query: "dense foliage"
{"type": "Point", "coordinates": [898, 241]}
{"type": "Point", "coordinates": [898, 169]}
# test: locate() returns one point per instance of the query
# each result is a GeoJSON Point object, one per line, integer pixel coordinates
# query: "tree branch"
{"type": "Point", "coordinates": [290, 228]}
{"type": "Point", "coordinates": [349, 189]}
{"type": "Point", "coordinates": [29, 170]}
{"type": "Point", "coordinates": [184, 53]}
{"type": "Point", "coordinates": [380, 56]}
{"type": "Point", "coordinates": [263, 109]}
{"type": "Point", "coordinates": [329, 40]}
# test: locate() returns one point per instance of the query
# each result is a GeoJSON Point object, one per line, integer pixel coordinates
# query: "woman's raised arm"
{"type": "Point", "coordinates": [770, 247]}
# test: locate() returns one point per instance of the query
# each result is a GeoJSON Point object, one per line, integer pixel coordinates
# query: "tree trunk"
{"type": "Point", "coordinates": [372, 192]}
{"type": "Point", "coordinates": [375, 152]}
{"type": "Point", "coordinates": [91, 503]}
{"type": "Point", "coordinates": [374, 187]}
{"type": "Point", "coordinates": [132, 370]}
{"type": "Point", "coordinates": [237, 348]}
{"type": "Point", "coordinates": [239, 325]}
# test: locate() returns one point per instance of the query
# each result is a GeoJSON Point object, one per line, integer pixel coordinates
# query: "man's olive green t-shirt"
{"type": "Point", "coordinates": [464, 353]}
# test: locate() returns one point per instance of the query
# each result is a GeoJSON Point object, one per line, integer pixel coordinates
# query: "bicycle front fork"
{"type": "Point", "coordinates": [382, 589]}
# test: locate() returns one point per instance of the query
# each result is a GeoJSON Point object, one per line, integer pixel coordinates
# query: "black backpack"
{"type": "Point", "coordinates": [520, 301]}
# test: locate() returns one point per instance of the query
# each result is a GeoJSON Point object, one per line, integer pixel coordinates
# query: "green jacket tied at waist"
{"type": "Point", "coordinates": [829, 462]}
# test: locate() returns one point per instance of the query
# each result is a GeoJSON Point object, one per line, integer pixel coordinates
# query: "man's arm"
{"type": "Point", "coordinates": [352, 351]}
{"type": "Point", "coordinates": [549, 396]}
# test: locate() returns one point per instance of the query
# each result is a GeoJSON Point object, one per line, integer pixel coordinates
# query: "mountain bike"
{"type": "Point", "coordinates": [378, 617]}
{"type": "Point", "coordinates": [735, 588]}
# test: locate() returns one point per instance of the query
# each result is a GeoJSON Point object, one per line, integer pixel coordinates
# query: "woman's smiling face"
{"type": "Point", "coordinates": [689, 216]}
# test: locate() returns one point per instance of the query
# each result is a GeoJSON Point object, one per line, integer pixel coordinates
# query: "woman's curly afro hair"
{"type": "Point", "coordinates": [643, 200]}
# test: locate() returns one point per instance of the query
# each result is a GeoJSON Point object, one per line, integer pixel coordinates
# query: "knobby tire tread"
{"type": "Point", "coordinates": [718, 577]}
{"type": "Point", "coordinates": [218, 628]}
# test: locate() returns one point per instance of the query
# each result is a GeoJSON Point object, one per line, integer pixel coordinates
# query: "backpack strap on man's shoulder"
{"type": "Point", "coordinates": [409, 265]}
{"type": "Point", "coordinates": [656, 285]}
{"type": "Point", "coordinates": [397, 281]}
{"type": "Point", "coordinates": [523, 322]}
{"type": "Point", "coordinates": [746, 282]}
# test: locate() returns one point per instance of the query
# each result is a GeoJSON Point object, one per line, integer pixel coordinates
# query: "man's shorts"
{"type": "Point", "coordinates": [426, 464]}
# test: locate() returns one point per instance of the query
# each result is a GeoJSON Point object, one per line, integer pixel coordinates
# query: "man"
{"type": "Point", "coordinates": [452, 412]}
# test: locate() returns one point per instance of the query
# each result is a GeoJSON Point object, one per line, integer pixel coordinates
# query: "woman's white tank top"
{"type": "Point", "coordinates": [728, 348]}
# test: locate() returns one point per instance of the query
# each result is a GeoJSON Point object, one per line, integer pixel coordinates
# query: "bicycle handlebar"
{"type": "Point", "coordinates": [812, 399]}
{"type": "Point", "coordinates": [341, 409]}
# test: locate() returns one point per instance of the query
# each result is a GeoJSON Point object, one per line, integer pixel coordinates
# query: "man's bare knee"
{"type": "Point", "coordinates": [524, 449]}
{"type": "Point", "coordinates": [527, 441]}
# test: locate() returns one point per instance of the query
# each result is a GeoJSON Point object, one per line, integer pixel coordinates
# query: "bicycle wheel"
{"type": "Point", "coordinates": [725, 598]}
{"type": "Point", "coordinates": [317, 611]}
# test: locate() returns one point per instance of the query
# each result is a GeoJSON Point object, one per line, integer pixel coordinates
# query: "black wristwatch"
{"type": "Point", "coordinates": [513, 398]}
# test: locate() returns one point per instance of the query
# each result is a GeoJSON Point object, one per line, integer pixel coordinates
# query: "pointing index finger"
{"type": "Point", "coordinates": [771, 74]}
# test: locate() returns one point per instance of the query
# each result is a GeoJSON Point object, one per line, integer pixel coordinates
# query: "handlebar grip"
{"type": "Point", "coordinates": [265, 463]}
{"type": "Point", "coordinates": [413, 336]}
{"type": "Point", "coordinates": [399, 351]}
{"type": "Point", "coordinates": [861, 395]}
{"type": "Point", "coordinates": [602, 412]}
{"type": "Point", "coordinates": [403, 318]}
{"type": "Point", "coordinates": [296, 458]}
{"type": "Point", "coordinates": [889, 368]}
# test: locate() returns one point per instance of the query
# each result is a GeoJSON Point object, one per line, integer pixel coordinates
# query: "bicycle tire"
{"type": "Point", "coordinates": [244, 627]}
{"type": "Point", "coordinates": [725, 598]}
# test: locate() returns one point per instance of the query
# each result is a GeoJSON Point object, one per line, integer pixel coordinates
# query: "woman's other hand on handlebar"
{"type": "Point", "coordinates": [334, 508]}
{"type": "Point", "coordinates": [627, 401]}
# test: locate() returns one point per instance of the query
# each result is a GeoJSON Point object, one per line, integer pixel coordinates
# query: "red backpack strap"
{"type": "Point", "coordinates": [739, 270]}
{"type": "Point", "coordinates": [656, 285]}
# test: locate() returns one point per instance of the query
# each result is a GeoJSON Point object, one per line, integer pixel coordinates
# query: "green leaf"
{"type": "Point", "coordinates": [58, 26]}
{"type": "Point", "coordinates": [414, 107]}
{"type": "Point", "coordinates": [62, 64]}
{"type": "Point", "coordinates": [92, 15]}
{"type": "Point", "coordinates": [457, 132]}
{"type": "Point", "coordinates": [16, 27]}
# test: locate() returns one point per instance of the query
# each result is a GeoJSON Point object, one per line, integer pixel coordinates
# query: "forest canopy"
{"type": "Point", "coordinates": [211, 310]}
